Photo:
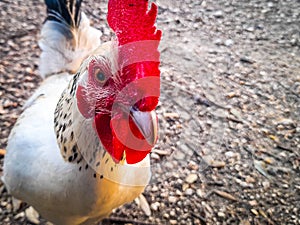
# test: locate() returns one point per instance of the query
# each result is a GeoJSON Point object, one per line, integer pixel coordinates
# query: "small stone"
{"type": "Point", "coordinates": [154, 206]}
{"type": "Point", "coordinates": [268, 160]}
{"type": "Point", "coordinates": [154, 189]}
{"type": "Point", "coordinates": [231, 94]}
{"type": "Point", "coordinates": [191, 178]}
{"type": "Point", "coordinates": [178, 192]}
{"type": "Point", "coordinates": [185, 186]}
{"type": "Point", "coordinates": [4, 204]}
{"type": "Point", "coordinates": [173, 222]}
{"type": "Point", "coordinates": [144, 205]}
{"type": "Point", "coordinates": [250, 179]}
{"type": "Point", "coordinates": [32, 215]}
{"type": "Point", "coordinates": [250, 29]}
{"type": "Point", "coordinates": [218, 41]}
{"type": "Point", "coordinates": [189, 191]}
{"type": "Point", "coordinates": [172, 213]}
{"type": "Point", "coordinates": [236, 113]}
{"type": "Point", "coordinates": [172, 199]}
{"type": "Point", "coordinates": [244, 222]}
{"type": "Point", "coordinates": [246, 59]}
{"type": "Point", "coordinates": [218, 14]}
{"type": "Point", "coordinates": [155, 156]}
{"type": "Point", "coordinates": [193, 166]}
{"type": "Point", "coordinates": [9, 207]}
{"type": "Point", "coordinates": [254, 211]}
{"type": "Point", "coordinates": [229, 42]}
{"type": "Point", "coordinates": [217, 164]}
{"type": "Point", "coordinates": [49, 223]}
{"type": "Point", "coordinates": [253, 202]}
{"type": "Point", "coordinates": [166, 215]}
{"type": "Point", "coordinates": [213, 163]}
{"type": "Point", "coordinates": [263, 73]}
{"type": "Point", "coordinates": [200, 193]}
{"type": "Point", "coordinates": [172, 115]}
{"type": "Point", "coordinates": [164, 194]}
{"type": "Point", "coordinates": [229, 154]}
{"type": "Point", "coordinates": [16, 204]}
{"type": "Point", "coordinates": [221, 215]}
{"type": "Point", "coordinates": [179, 155]}
{"type": "Point", "coordinates": [266, 184]}
{"type": "Point", "coordinates": [19, 215]}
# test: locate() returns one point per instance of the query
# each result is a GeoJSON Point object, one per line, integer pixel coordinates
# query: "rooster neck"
{"type": "Point", "coordinates": [63, 122]}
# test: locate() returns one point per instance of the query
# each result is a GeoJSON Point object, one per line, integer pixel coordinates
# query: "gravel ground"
{"type": "Point", "coordinates": [229, 142]}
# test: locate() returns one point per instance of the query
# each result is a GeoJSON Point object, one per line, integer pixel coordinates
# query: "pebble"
{"type": "Point", "coordinates": [32, 215]}
{"type": "Point", "coordinates": [155, 206]}
{"type": "Point", "coordinates": [191, 178]}
{"type": "Point", "coordinates": [254, 211]}
{"type": "Point", "coordinates": [266, 184]}
{"type": "Point", "coordinates": [286, 186]}
{"type": "Point", "coordinates": [172, 213]}
{"type": "Point", "coordinates": [172, 199]}
{"type": "Point", "coordinates": [178, 192]}
{"type": "Point", "coordinates": [253, 202]}
{"type": "Point", "coordinates": [221, 215]}
{"type": "Point", "coordinates": [218, 14]}
{"type": "Point", "coordinates": [193, 166]}
{"type": "Point", "coordinates": [155, 156]}
{"type": "Point", "coordinates": [172, 115]}
{"type": "Point", "coordinates": [166, 215]}
{"type": "Point", "coordinates": [173, 222]}
{"type": "Point", "coordinates": [200, 193]}
{"type": "Point", "coordinates": [228, 42]}
{"type": "Point", "coordinates": [218, 41]}
{"type": "Point", "coordinates": [9, 207]}
{"type": "Point", "coordinates": [16, 204]}
{"type": "Point", "coordinates": [154, 188]}
{"type": "Point", "coordinates": [229, 154]}
{"type": "Point", "coordinates": [144, 205]}
{"type": "Point", "coordinates": [189, 191]}
{"type": "Point", "coordinates": [19, 215]}
{"type": "Point", "coordinates": [249, 179]}
{"type": "Point", "coordinates": [263, 73]}
{"type": "Point", "coordinates": [185, 186]}
{"type": "Point", "coordinates": [179, 155]}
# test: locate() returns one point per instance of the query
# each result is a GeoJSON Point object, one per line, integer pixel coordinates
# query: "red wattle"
{"type": "Point", "coordinates": [110, 143]}
{"type": "Point", "coordinates": [134, 156]}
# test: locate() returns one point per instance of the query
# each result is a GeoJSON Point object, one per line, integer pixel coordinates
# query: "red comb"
{"type": "Point", "coordinates": [132, 21]}
{"type": "Point", "coordinates": [138, 41]}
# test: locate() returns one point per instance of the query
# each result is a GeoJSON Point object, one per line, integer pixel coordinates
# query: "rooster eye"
{"type": "Point", "coordinates": [100, 76]}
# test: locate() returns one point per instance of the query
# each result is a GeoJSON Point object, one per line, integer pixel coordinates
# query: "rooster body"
{"type": "Point", "coordinates": [62, 192]}
{"type": "Point", "coordinates": [57, 159]}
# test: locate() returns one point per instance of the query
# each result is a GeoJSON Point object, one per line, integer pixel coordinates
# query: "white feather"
{"type": "Point", "coordinates": [64, 50]}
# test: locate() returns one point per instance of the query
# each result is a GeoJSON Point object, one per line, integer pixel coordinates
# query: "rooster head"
{"type": "Point", "coordinates": [119, 84]}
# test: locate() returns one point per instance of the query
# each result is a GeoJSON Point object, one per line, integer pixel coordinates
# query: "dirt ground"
{"type": "Point", "coordinates": [228, 150]}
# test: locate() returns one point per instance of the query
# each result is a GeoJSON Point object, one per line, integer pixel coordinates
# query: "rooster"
{"type": "Point", "coordinates": [81, 146]}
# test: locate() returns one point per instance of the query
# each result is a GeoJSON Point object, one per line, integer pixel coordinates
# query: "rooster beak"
{"type": "Point", "coordinates": [146, 122]}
